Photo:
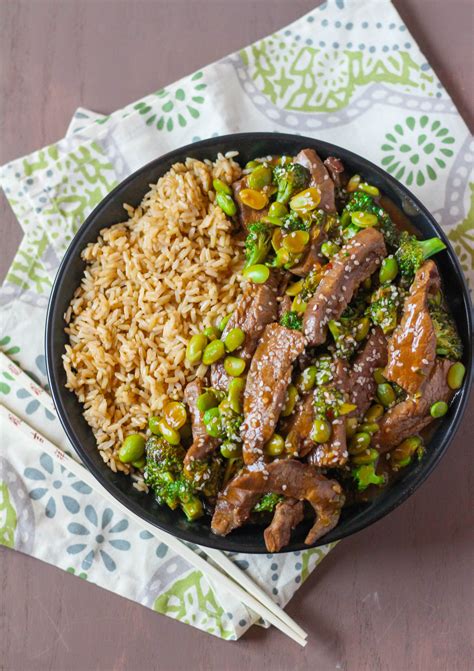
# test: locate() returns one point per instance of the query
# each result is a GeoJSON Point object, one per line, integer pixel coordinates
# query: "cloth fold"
{"type": "Point", "coordinates": [348, 72]}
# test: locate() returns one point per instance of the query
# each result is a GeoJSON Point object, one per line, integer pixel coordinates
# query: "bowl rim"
{"type": "Point", "coordinates": [74, 249]}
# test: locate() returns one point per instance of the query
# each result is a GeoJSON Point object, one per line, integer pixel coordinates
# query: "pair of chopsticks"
{"type": "Point", "coordinates": [230, 578]}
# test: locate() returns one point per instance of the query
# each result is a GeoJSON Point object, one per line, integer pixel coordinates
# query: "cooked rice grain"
{"type": "Point", "coordinates": [150, 283]}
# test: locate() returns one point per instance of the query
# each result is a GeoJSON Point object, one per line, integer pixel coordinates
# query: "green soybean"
{"type": "Point", "coordinates": [439, 409]}
{"type": "Point", "coordinates": [362, 329]}
{"type": "Point", "coordinates": [329, 249]}
{"type": "Point", "coordinates": [290, 402]}
{"type": "Point", "coordinates": [213, 422]}
{"type": "Point", "coordinates": [374, 413]}
{"type": "Point", "coordinates": [234, 393]}
{"type": "Point", "coordinates": [386, 395]}
{"type": "Point", "coordinates": [378, 376]}
{"type": "Point", "coordinates": [139, 463]}
{"type": "Point", "coordinates": [388, 270]}
{"type": "Point", "coordinates": [258, 273]}
{"type": "Point", "coordinates": [153, 425]}
{"type": "Point", "coordinates": [231, 450]}
{"type": "Point", "coordinates": [321, 432]}
{"type": "Point", "coordinates": [306, 379]}
{"type": "Point", "coordinates": [366, 457]}
{"type": "Point", "coordinates": [275, 446]}
{"type": "Point", "coordinates": [221, 187]}
{"type": "Point", "coordinates": [206, 400]}
{"type": "Point", "coordinates": [234, 339]}
{"type": "Point", "coordinates": [369, 427]}
{"type": "Point", "coordinates": [212, 332]}
{"type": "Point", "coordinates": [170, 435]}
{"type": "Point", "coordinates": [213, 352]}
{"type": "Point", "coordinates": [364, 219]}
{"type": "Point", "coordinates": [259, 177]}
{"type": "Point", "coordinates": [251, 165]}
{"type": "Point", "coordinates": [456, 375]}
{"type": "Point", "coordinates": [359, 443]}
{"type": "Point", "coordinates": [277, 210]}
{"type": "Point", "coordinates": [351, 426]}
{"type": "Point", "coordinates": [133, 448]}
{"type": "Point", "coordinates": [234, 365]}
{"type": "Point", "coordinates": [226, 203]}
{"type": "Point", "coordinates": [224, 321]}
{"type": "Point", "coordinates": [368, 188]}
{"type": "Point", "coordinates": [196, 347]}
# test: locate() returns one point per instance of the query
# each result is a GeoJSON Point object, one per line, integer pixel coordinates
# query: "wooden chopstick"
{"type": "Point", "coordinates": [178, 546]}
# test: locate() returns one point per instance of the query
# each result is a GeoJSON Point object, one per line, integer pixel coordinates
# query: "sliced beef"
{"type": "Point", "coordinates": [336, 170]}
{"type": "Point", "coordinates": [267, 380]}
{"type": "Point", "coordinates": [284, 305]}
{"type": "Point", "coordinates": [256, 308]}
{"type": "Point", "coordinates": [411, 416]}
{"type": "Point", "coordinates": [354, 263]}
{"type": "Point", "coordinates": [320, 178]}
{"type": "Point", "coordinates": [298, 442]}
{"type": "Point", "coordinates": [288, 514]}
{"type": "Point", "coordinates": [203, 444]}
{"type": "Point", "coordinates": [313, 258]}
{"type": "Point", "coordinates": [246, 215]}
{"type": "Point", "coordinates": [288, 477]}
{"type": "Point", "coordinates": [412, 348]}
{"type": "Point", "coordinates": [361, 380]}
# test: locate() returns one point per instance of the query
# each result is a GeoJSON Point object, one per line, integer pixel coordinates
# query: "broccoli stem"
{"type": "Point", "coordinates": [192, 508]}
{"type": "Point", "coordinates": [431, 247]}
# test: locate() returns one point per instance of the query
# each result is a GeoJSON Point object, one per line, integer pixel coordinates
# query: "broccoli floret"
{"type": "Point", "coordinates": [164, 474]}
{"type": "Point", "coordinates": [310, 283]}
{"type": "Point", "coordinates": [205, 475]}
{"type": "Point", "coordinates": [365, 475]}
{"type": "Point", "coordinates": [412, 252]}
{"type": "Point", "coordinates": [292, 222]}
{"type": "Point", "coordinates": [363, 202]}
{"type": "Point", "coordinates": [290, 179]}
{"type": "Point", "coordinates": [329, 402]}
{"type": "Point", "coordinates": [268, 503]}
{"type": "Point", "coordinates": [384, 307]}
{"type": "Point", "coordinates": [257, 243]}
{"type": "Point", "coordinates": [292, 320]}
{"type": "Point", "coordinates": [448, 342]}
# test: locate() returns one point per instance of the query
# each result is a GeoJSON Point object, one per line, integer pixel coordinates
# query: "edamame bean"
{"type": "Point", "coordinates": [221, 187]}
{"type": "Point", "coordinates": [366, 457]}
{"type": "Point", "coordinates": [206, 400]}
{"type": "Point", "coordinates": [213, 422]}
{"type": "Point", "coordinates": [306, 379]}
{"type": "Point", "coordinates": [374, 413]}
{"type": "Point", "coordinates": [277, 210]}
{"type": "Point", "coordinates": [369, 427]}
{"type": "Point", "coordinates": [234, 339]}
{"type": "Point", "coordinates": [329, 248]}
{"type": "Point", "coordinates": [254, 199]}
{"type": "Point", "coordinates": [353, 183]}
{"type": "Point", "coordinates": [439, 409]}
{"type": "Point", "coordinates": [251, 165]}
{"type": "Point", "coordinates": [359, 443]}
{"type": "Point", "coordinates": [294, 288]}
{"type": "Point", "coordinates": [175, 414]}
{"type": "Point", "coordinates": [196, 347]}
{"type": "Point", "coordinates": [226, 204]}
{"type": "Point", "coordinates": [139, 463]}
{"type": "Point", "coordinates": [234, 365]}
{"type": "Point", "coordinates": [402, 455]}
{"type": "Point", "coordinates": [456, 375]}
{"type": "Point", "coordinates": [362, 329]}
{"type": "Point", "coordinates": [213, 352]}
{"type": "Point", "coordinates": [170, 435]}
{"type": "Point", "coordinates": [133, 448]}
{"type": "Point", "coordinates": [212, 332]}
{"type": "Point", "coordinates": [234, 393]}
{"type": "Point", "coordinates": [290, 402]}
{"type": "Point", "coordinates": [364, 219]}
{"type": "Point", "coordinates": [351, 426]}
{"type": "Point", "coordinates": [388, 270]}
{"type": "Point", "coordinates": [258, 273]}
{"type": "Point", "coordinates": [298, 304]}
{"type": "Point", "coordinates": [224, 321]}
{"type": "Point", "coordinates": [230, 450]}
{"type": "Point", "coordinates": [274, 221]}
{"type": "Point", "coordinates": [296, 241]}
{"type": "Point", "coordinates": [321, 432]}
{"type": "Point", "coordinates": [378, 376]}
{"type": "Point", "coordinates": [275, 446]}
{"type": "Point", "coordinates": [306, 201]}
{"type": "Point", "coordinates": [368, 188]}
{"type": "Point", "coordinates": [259, 177]}
{"type": "Point", "coordinates": [153, 425]}
{"type": "Point", "coordinates": [386, 395]}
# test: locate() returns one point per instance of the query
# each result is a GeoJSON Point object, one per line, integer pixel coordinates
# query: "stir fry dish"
{"type": "Point", "coordinates": [317, 389]}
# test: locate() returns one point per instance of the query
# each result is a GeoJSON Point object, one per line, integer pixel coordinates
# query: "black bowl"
{"type": "Point", "coordinates": [110, 211]}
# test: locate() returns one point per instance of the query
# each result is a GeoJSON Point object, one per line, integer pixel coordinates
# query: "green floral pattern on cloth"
{"type": "Point", "coordinates": [351, 78]}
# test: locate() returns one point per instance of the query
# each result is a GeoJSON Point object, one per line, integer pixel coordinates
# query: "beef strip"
{"type": "Point", "coordinates": [267, 380]}
{"type": "Point", "coordinates": [288, 514]}
{"type": "Point", "coordinates": [284, 305]}
{"type": "Point", "coordinates": [412, 348]}
{"type": "Point", "coordinates": [336, 170]}
{"type": "Point", "coordinates": [334, 453]}
{"type": "Point", "coordinates": [411, 416]}
{"type": "Point", "coordinates": [245, 214]}
{"type": "Point", "coordinates": [312, 259]}
{"type": "Point", "coordinates": [256, 308]}
{"type": "Point", "coordinates": [288, 477]}
{"type": "Point", "coordinates": [319, 178]}
{"type": "Point", "coordinates": [298, 442]}
{"type": "Point", "coordinates": [361, 379]}
{"type": "Point", "coordinates": [354, 263]}
{"type": "Point", "coordinates": [203, 444]}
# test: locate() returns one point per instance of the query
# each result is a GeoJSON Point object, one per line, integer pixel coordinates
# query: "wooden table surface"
{"type": "Point", "coordinates": [397, 596]}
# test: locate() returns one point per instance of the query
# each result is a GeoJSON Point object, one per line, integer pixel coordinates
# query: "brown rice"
{"type": "Point", "coordinates": [150, 283]}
